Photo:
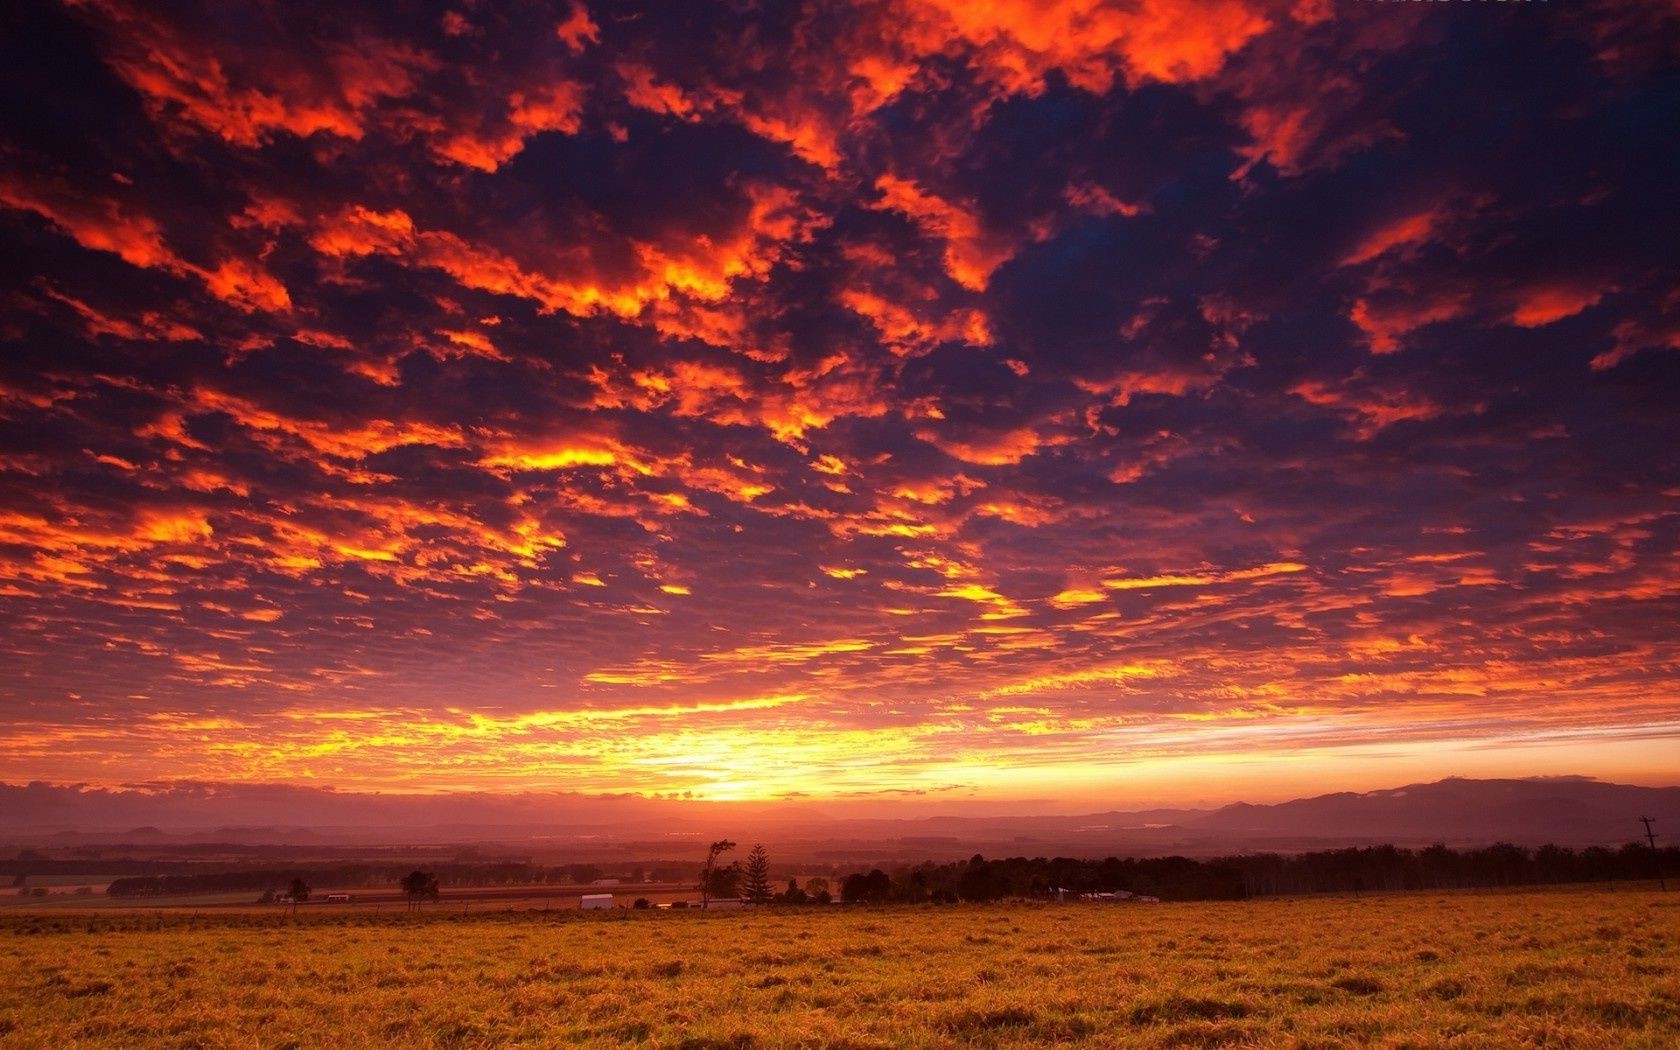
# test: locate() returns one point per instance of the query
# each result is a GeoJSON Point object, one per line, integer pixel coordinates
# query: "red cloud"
{"type": "Point", "coordinates": [246, 94]}
{"type": "Point", "coordinates": [1089, 41]}
{"type": "Point", "coordinates": [102, 224]}
{"type": "Point", "coordinates": [1553, 302]}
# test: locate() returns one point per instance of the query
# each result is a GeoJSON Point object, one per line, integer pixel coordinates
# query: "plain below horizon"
{"type": "Point", "coordinates": [1568, 810]}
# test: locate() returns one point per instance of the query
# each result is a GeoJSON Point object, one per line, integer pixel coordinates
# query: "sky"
{"type": "Point", "coordinates": [905, 401]}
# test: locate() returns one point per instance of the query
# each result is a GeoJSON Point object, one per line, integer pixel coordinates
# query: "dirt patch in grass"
{"type": "Point", "coordinates": [738, 1041]}
{"type": "Point", "coordinates": [1358, 985]}
{"type": "Point", "coordinates": [1446, 989]}
{"type": "Point", "coordinates": [1177, 1008]}
{"type": "Point", "coordinates": [974, 1022]}
{"type": "Point", "coordinates": [1211, 1035]}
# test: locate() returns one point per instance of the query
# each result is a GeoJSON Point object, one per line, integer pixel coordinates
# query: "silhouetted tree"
{"type": "Point", "coordinates": [978, 882]}
{"type": "Point", "coordinates": [709, 871]}
{"type": "Point", "coordinates": [852, 887]}
{"type": "Point", "coordinates": [873, 888]}
{"type": "Point", "coordinates": [793, 894]}
{"type": "Point", "coordinates": [419, 886]}
{"type": "Point", "coordinates": [724, 883]}
{"type": "Point", "coordinates": [755, 878]}
{"type": "Point", "coordinates": [914, 890]}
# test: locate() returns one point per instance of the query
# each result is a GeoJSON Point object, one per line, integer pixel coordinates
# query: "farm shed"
{"type": "Point", "coordinates": [592, 901]}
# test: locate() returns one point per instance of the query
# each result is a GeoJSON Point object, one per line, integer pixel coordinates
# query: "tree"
{"type": "Point", "coordinates": [979, 882]}
{"type": "Point", "coordinates": [725, 882]}
{"type": "Point", "coordinates": [298, 891]}
{"type": "Point", "coordinates": [853, 887]}
{"type": "Point", "coordinates": [793, 894]}
{"type": "Point", "coordinates": [756, 877]}
{"type": "Point", "coordinates": [914, 891]}
{"type": "Point", "coordinates": [583, 874]}
{"type": "Point", "coordinates": [419, 886]}
{"type": "Point", "coordinates": [708, 872]}
{"type": "Point", "coordinates": [874, 888]}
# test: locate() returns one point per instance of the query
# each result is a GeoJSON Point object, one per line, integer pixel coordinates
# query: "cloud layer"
{"type": "Point", "coordinates": [833, 398]}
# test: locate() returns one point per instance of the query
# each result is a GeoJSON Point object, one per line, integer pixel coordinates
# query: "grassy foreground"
{"type": "Point", "coordinates": [1583, 968]}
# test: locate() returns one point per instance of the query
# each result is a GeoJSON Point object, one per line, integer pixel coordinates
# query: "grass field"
{"type": "Point", "coordinates": [1588, 968]}
{"type": "Point", "coordinates": [381, 900]}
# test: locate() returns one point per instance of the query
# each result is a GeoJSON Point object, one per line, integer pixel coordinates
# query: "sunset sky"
{"type": "Point", "coordinates": [914, 399]}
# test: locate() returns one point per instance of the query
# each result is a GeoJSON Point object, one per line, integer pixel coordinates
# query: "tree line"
{"type": "Point", "coordinates": [1238, 877]}
{"type": "Point", "coordinates": [978, 879]}
{"type": "Point", "coordinates": [512, 873]}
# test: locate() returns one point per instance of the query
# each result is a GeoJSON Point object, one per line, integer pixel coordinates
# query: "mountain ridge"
{"type": "Point", "coordinates": [1576, 811]}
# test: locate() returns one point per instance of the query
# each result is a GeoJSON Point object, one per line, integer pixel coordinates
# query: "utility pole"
{"type": "Point", "coordinates": [1655, 856]}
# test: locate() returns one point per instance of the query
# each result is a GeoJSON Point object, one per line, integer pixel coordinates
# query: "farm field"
{"type": "Point", "coordinates": [372, 901]}
{"type": "Point", "coordinates": [1575, 967]}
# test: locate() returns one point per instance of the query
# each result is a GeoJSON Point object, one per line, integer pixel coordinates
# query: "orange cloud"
{"type": "Point", "coordinates": [1634, 335]}
{"type": "Point", "coordinates": [551, 107]}
{"type": "Point", "coordinates": [367, 437]}
{"type": "Point", "coordinates": [572, 280]}
{"type": "Point", "coordinates": [1090, 41]}
{"type": "Point", "coordinates": [245, 96]}
{"type": "Point", "coordinates": [150, 325]}
{"type": "Point", "coordinates": [102, 224]}
{"type": "Point", "coordinates": [578, 30]}
{"type": "Point", "coordinates": [1004, 448]}
{"type": "Point", "coordinates": [1370, 407]}
{"type": "Point", "coordinates": [1389, 319]}
{"type": "Point", "coordinates": [98, 224]}
{"type": "Point", "coordinates": [1537, 307]}
{"type": "Point", "coordinates": [1402, 232]}
{"type": "Point", "coordinates": [970, 256]}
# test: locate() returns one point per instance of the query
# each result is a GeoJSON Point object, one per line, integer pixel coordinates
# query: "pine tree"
{"type": "Point", "coordinates": [757, 876]}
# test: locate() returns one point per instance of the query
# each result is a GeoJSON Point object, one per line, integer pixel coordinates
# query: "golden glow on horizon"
{"type": "Point", "coordinates": [729, 752]}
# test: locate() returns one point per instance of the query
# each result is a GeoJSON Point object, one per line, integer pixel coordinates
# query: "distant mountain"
{"type": "Point", "coordinates": [1562, 810]}
{"type": "Point", "coordinates": [1573, 811]}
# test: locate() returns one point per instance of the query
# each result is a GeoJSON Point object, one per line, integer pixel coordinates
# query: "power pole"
{"type": "Point", "coordinates": [1655, 856]}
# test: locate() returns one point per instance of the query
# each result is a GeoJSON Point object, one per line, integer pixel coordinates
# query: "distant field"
{"type": "Point", "coordinates": [1586, 968]}
{"type": "Point", "coordinates": [382, 900]}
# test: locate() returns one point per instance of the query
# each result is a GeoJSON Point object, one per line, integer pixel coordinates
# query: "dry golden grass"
{"type": "Point", "coordinates": [1586, 968]}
